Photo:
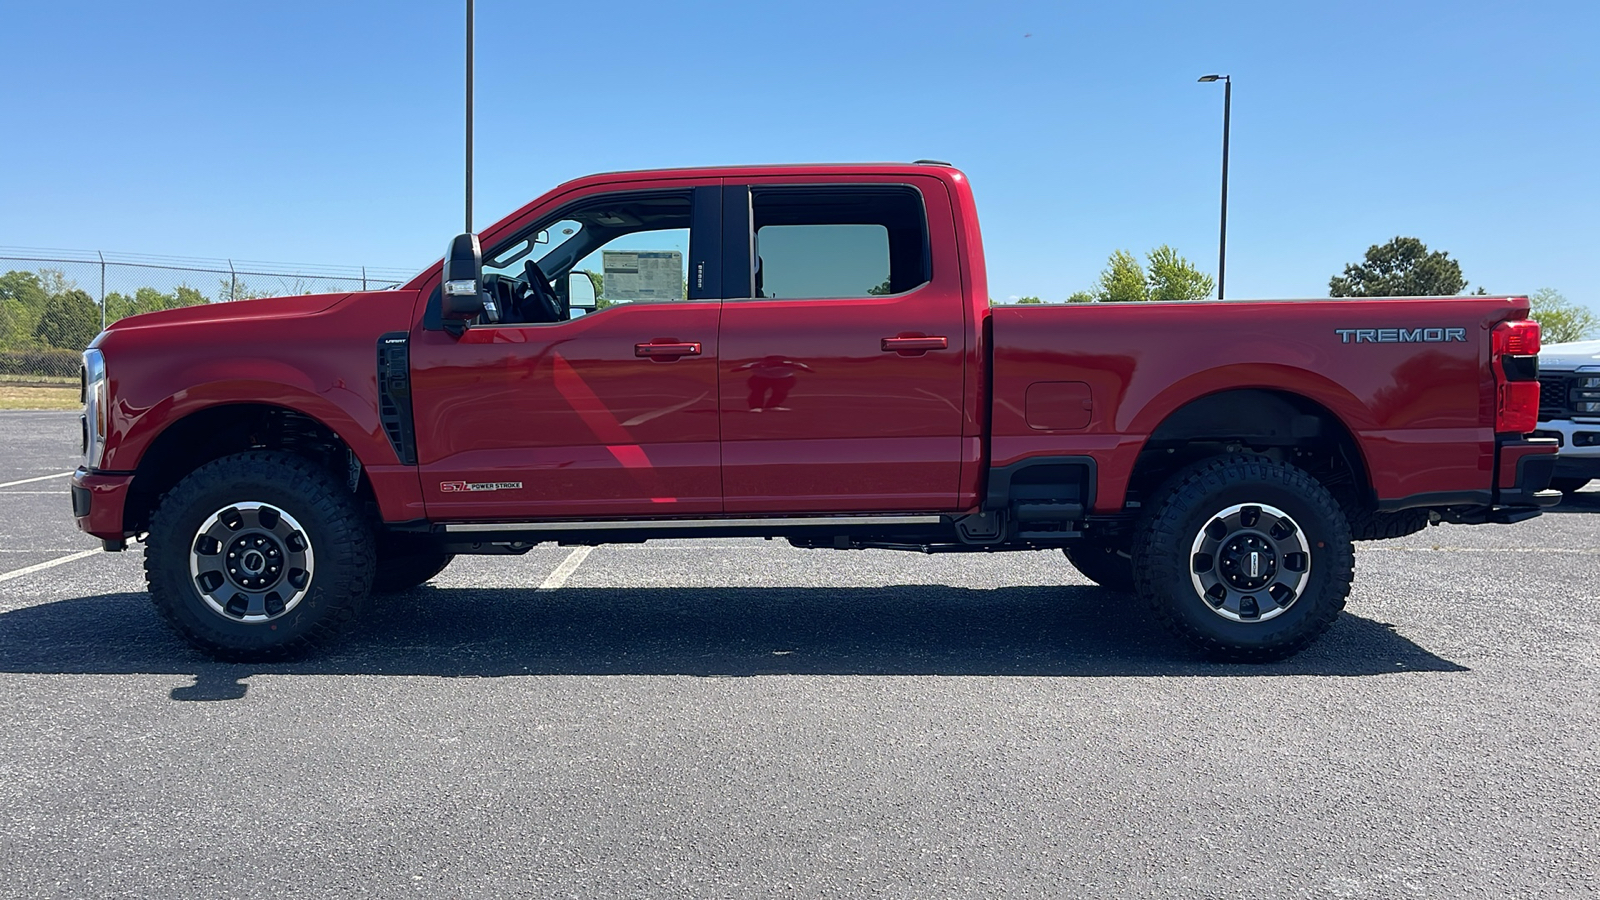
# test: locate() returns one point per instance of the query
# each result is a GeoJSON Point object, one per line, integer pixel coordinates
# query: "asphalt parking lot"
{"type": "Point", "coordinates": [741, 719]}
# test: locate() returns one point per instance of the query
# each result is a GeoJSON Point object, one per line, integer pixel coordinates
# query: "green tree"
{"type": "Point", "coordinates": [118, 306]}
{"type": "Point", "coordinates": [1170, 277]}
{"type": "Point", "coordinates": [1174, 278]}
{"type": "Point", "coordinates": [187, 296]}
{"type": "Point", "coordinates": [1561, 320]}
{"type": "Point", "coordinates": [148, 299]}
{"type": "Point", "coordinates": [232, 288]}
{"type": "Point", "coordinates": [145, 299]}
{"type": "Point", "coordinates": [1401, 268]}
{"type": "Point", "coordinates": [16, 325]}
{"type": "Point", "coordinates": [23, 287]}
{"type": "Point", "coordinates": [1123, 280]}
{"type": "Point", "coordinates": [55, 281]}
{"type": "Point", "coordinates": [70, 320]}
{"type": "Point", "coordinates": [22, 300]}
{"type": "Point", "coordinates": [28, 297]}
{"type": "Point", "coordinates": [1029, 300]}
{"type": "Point", "coordinates": [880, 290]}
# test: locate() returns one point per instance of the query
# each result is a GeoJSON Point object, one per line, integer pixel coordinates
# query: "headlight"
{"type": "Point", "coordinates": [96, 407]}
{"type": "Point", "coordinates": [1585, 395]}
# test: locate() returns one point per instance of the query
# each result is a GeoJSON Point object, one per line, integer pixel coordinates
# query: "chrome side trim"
{"type": "Point", "coordinates": [666, 524]}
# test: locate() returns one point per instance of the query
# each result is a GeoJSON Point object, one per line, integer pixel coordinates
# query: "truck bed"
{"type": "Point", "coordinates": [1406, 378]}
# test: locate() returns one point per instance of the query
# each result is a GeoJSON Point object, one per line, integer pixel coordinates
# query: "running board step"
{"type": "Point", "coordinates": [1047, 519]}
{"type": "Point", "coordinates": [689, 524]}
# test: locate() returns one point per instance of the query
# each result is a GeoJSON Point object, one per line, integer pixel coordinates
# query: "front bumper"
{"type": "Point", "coordinates": [98, 499]}
{"type": "Point", "coordinates": [1579, 444]}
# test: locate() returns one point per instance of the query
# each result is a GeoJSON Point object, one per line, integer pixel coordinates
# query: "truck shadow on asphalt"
{"type": "Point", "coordinates": [1081, 632]}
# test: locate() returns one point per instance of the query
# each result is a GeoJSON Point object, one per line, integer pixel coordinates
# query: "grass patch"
{"type": "Point", "coordinates": [14, 396]}
{"type": "Point", "coordinates": [38, 380]}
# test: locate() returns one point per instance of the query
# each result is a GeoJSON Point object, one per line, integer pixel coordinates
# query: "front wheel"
{"type": "Point", "coordinates": [257, 556]}
{"type": "Point", "coordinates": [1247, 558]}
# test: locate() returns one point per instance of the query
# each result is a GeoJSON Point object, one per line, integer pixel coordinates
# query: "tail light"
{"type": "Point", "coordinates": [1514, 356]}
{"type": "Point", "coordinates": [1518, 337]}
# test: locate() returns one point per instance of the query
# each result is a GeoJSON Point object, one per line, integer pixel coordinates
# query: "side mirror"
{"type": "Point", "coordinates": [461, 297]}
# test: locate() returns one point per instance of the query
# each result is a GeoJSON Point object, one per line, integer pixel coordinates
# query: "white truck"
{"type": "Point", "coordinates": [1569, 410]}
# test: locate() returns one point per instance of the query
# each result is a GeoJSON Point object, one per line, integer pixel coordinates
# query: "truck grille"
{"type": "Point", "coordinates": [1553, 395]}
{"type": "Point", "coordinates": [1563, 395]}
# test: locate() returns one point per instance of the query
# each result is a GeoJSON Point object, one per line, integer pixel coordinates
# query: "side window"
{"type": "Point", "coordinates": [838, 241]}
{"type": "Point", "coordinates": [643, 267]}
{"type": "Point", "coordinates": [597, 253]}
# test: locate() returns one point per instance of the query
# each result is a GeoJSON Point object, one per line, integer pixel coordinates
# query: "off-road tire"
{"type": "Point", "coordinates": [1569, 485]}
{"type": "Point", "coordinates": [1106, 563]}
{"type": "Point", "coordinates": [405, 561]}
{"type": "Point", "coordinates": [1164, 542]}
{"type": "Point", "coordinates": [1370, 525]}
{"type": "Point", "coordinates": [333, 527]}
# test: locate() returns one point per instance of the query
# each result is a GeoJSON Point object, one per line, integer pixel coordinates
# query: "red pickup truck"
{"type": "Point", "coordinates": [798, 352]}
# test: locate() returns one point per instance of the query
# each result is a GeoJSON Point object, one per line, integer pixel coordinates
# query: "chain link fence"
{"type": "Point", "coordinates": [53, 302]}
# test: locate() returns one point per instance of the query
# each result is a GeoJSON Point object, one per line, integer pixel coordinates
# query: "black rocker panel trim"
{"type": "Point", "coordinates": [1437, 499]}
{"type": "Point", "coordinates": [1060, 479]}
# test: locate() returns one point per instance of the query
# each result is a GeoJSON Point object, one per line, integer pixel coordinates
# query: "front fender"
{"type": "Point", "coordinates": [343, 408]}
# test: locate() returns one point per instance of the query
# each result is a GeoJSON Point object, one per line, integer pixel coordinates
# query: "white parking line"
{"type": "Point", "coordinates": [51, 564]}
{"type": "Point", "coordinates": [567, 567]}
{"type": "Point", "coordinates": [32, 480]}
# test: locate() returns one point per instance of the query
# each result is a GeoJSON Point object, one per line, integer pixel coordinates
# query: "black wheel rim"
{"type": "Point", "coordinates": [1250, 562]}
{"type": "Point", "coordinates": [251, 562]}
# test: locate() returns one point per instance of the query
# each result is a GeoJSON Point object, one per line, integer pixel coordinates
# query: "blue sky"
{"type": "Point", "coordinates": [330, 133]}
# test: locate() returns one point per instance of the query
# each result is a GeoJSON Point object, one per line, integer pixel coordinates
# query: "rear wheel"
{"type": "Point", "coordinates": [257, 556]}
{"type": "Point", "coordinates": [1247, 558]}
{"type": "Point", "coordinates": [1106, 563]}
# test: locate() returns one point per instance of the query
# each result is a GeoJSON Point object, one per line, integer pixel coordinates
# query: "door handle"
{"type": "Point", "coordinates": [915, 344]}
{"type": "Point", "coordinates": [667, 349]}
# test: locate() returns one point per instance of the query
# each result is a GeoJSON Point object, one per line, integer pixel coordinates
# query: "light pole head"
{"type": "Point", "coordinates": [1216, 78]}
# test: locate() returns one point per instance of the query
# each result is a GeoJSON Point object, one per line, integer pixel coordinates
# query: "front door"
{"type": "Point", "coordinates": [842, 369]}
{"type": "Point", "coordinates": [592, 413]}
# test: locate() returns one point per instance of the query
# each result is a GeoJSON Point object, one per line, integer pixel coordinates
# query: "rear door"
{"type": "Point", "coordinates": [610, 411]}
{"type": "Point", "coordinates": [841, 371]}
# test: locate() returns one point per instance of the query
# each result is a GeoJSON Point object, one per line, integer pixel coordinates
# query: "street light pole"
{"type": "Point", "coordinates": [469, 116]}
{"type": "Point", "coordinates": [1227, 112]}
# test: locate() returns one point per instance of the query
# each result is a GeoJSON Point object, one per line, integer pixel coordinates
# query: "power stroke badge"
{"type": "Point", "coordinates": [463, 487]}
{"type": "Point", "coordinates": [1400, 335]}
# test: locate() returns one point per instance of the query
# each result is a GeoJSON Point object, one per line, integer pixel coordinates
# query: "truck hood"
{"type": "Point", "coordinates": [265, 308]}
{"type": "Point", "coordinates": [1569, 356]}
